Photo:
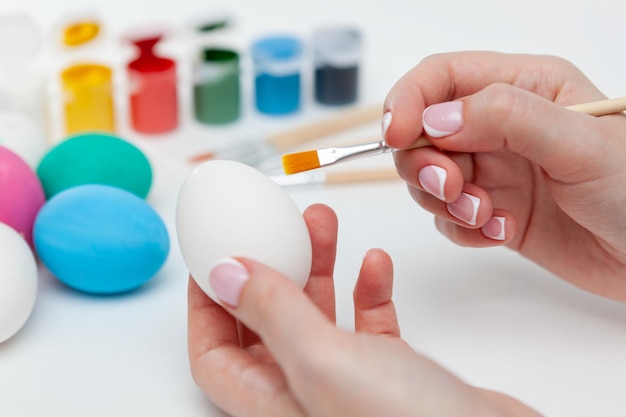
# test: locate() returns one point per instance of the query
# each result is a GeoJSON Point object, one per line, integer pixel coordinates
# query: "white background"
{"type": "Point", "coordinates": [490, 316]}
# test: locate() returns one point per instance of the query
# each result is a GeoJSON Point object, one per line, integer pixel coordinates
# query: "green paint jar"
{"type": "Point", "coordinates": [216, 89]}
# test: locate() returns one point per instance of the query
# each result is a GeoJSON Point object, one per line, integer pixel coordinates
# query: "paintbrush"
{"type": "Point", "coordinates": [256, 151]}
{"type": "Point", "coordinates": [335, 178]}
{"type": "Point", "coordinates": [313, 159]}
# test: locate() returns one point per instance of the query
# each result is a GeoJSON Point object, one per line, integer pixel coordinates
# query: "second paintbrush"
{"type": "Point", "coordinates": [308, 160]}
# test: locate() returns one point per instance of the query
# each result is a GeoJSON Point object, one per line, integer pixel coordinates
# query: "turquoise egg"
{"type": "Point", "coordinates": [100, 239]}
{"type": "Point", "coordinates": [95, 158]}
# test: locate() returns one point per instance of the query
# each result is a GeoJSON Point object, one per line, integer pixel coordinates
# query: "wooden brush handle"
{"type": "Point", "coordinates": [353, 176]}
{"type": "Point", "coordinates": [602, 107]}
{"type": "Point", "coordinates": [346, 119]}
{"type": "Point", "coordinates": [420, 143]}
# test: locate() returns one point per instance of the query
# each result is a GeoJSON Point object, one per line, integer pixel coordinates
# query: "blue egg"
{"type": "Point", "coordinates": [100, 239]}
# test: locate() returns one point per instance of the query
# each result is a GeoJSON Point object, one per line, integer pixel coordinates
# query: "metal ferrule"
{"type": "Point", "coordinates": [342, 153]}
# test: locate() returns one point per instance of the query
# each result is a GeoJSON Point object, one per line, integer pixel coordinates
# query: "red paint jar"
{"type": "Point", "coordinates": [153, 89]}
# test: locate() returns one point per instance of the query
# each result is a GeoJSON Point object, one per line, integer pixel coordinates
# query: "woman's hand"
{"type": "Point", "coordinates": [274, 350]}
{"type": "Point", "coordinates": [510, 165]}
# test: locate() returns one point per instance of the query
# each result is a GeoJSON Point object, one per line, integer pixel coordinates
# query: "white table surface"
{"type": "Point", "coordinates": [489, 315]}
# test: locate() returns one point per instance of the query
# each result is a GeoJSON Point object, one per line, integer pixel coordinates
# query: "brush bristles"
{"type": "Point", "coordinates": [301, 161]}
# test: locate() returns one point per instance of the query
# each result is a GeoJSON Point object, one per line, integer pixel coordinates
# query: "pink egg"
{"type": "Point", "coordinates": [21, 194]}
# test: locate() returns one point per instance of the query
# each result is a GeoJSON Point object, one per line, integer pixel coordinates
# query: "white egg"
{"type": "Point", "coordinates": [228, 209]}
{"type": "Point", "coordinates": [18, 282]}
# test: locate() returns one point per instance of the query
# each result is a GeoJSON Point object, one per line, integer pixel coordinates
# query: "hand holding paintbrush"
{"type": "Point", "coordinates": [313, 159]}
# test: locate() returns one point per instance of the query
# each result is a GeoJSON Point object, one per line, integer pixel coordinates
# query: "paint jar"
{"type": "Point", "coordinates": [216, 86]}
{"type": "Point", "coordinates": [22, 85]}
{"type": "Point", "coordinates": [80, 32]}
{"type": "Point", "coordinates": [212, 23]}
{"type": "Point", "coordinates": [336, 56]}
{"type": "Point", "coordinates": [153, 87]}
{"type": "Point", "coordinates": [277, 65]}
{"type": "Point", "coordinates": [88, 98]}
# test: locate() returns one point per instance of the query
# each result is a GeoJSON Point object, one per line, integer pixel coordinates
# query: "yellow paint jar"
{"type": "Point", "coordinates": [80, 33]}
{"type": "Point", "coordinates": [88, 98]}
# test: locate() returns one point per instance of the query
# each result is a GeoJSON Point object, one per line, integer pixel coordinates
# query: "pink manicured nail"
{"type": "Point", "coordinates": [443, 119]}
{"type": "Point", "coordinates": [465, 208]}
{"type": "Point", "coordinates": [385, 123]}
{"type": "Point", "coordinates": [494, 228]}
{"type": "Point", "coordinates": [227, 279]}
{"type": "Point", "coordinates": [433, 179]}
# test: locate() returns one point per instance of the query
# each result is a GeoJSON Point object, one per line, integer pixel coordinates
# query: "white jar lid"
{"type": "Point", "coordinates": [20, 38]}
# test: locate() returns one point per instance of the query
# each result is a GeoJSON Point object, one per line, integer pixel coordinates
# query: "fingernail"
{"type": "Point", "coordinates": [443, 119]}
{"type": "Point", "coordinates": [433, 179]}
{"type": "Point", "coordinates": [494, 228]}
{"type": "Point", "coordinates": [385, 123]}
{"type": "Point", "coordinates": [465, 208]}
{"type": "Point", "coordinates": [227, 278]}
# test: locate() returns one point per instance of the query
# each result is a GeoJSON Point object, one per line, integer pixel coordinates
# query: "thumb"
{"type": "Point", "coordinates": [272, 306]}
{"type": "Point", "coordinates": [500, 116]}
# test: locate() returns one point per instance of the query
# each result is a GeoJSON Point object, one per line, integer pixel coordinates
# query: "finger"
{"type": "Point", "coordinates": [472, 209]}
{"type": "Point", "coordinates": [501, 116]}
{"type": "Point", "coordinates": [374, 311]}
{"type": "Point", "coordinates": [440, 78]}
{"type": "Point", "coordinates": [226, 372]}
{"type": "Point", "coordinates": [322, 223]}
{"type": "Point", "coordinates": [273, 307]}
{"type": "Point", "coordinates": [209, 325]}
{"type": "Point", "coordinates": [500, 229]}
{"type": "Point", "coordinates": [249, 340]}
{"type": "Point", "coordinates": [444, 77]}
{"type": "Point", "coordinates": [430, 170]}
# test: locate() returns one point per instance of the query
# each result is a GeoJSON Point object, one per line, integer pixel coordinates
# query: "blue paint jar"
{"type": "Point", "coordinates": [277, 67]}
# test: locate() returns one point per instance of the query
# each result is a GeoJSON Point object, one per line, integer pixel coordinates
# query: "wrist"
{"type": "Point", "coordinates": [502, 405]}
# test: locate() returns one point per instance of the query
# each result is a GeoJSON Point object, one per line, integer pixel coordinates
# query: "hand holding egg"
{"type": "Point", "coordinates": [228, 209]}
